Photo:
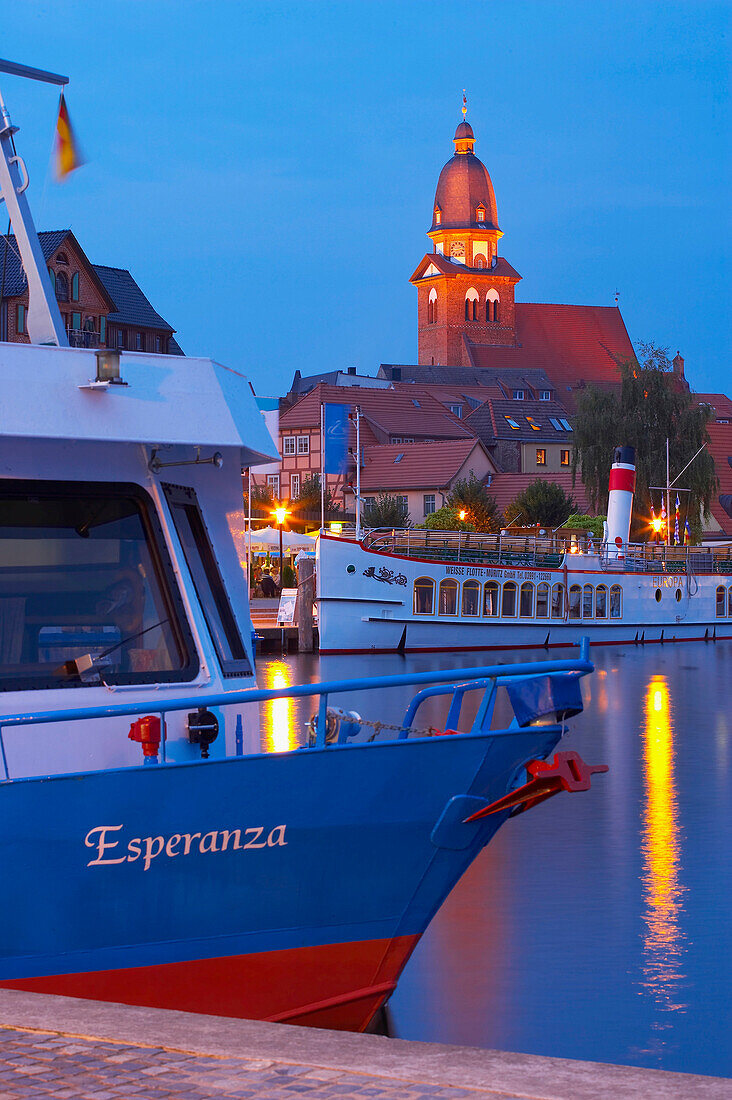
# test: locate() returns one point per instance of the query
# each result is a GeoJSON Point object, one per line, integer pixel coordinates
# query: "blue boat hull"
{"type": "Point", "coordinates": [281, 886]}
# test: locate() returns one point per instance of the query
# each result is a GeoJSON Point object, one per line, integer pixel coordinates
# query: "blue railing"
{"type": "Point", "coordinates": [486, 676]}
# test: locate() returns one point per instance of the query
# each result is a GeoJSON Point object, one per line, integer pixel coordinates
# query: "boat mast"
{"type": "Point", "coordinates": [44, 322]}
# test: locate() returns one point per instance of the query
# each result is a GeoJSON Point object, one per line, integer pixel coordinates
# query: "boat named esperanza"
{"type": "Point", "coordinates": [427, 590]}
{"type": "Point", "coordinates": [151, 853]}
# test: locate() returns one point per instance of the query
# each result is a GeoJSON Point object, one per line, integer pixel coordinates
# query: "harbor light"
{"type": "Point", "coordinates": [280, 513]}
{"type": "Point", "coordinates": [108, 366]}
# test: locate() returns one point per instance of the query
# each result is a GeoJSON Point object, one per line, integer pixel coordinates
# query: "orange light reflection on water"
{"type": "Point", "coordinates": [662, 890]}
{"type": "Point", "coordinates": [279, 725]}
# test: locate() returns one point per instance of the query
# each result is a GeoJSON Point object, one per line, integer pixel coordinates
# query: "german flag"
{"type": "Point", "coordinates": [67, 155]}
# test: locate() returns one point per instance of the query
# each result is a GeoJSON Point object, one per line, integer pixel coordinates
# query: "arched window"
{"type": "Point", "coordinates": [575, 601]}
{"type": "Point", "coordinates": [424, 596]}
{"type": "Point", "coordinates": [616, 602]}
{"type": "Point", "coordinates": [542, 600]}
{"type": "Point", "coordinates": [432, 307]}
{"type": "Point", "coordinates": [479, 262]}
{"type": "Point", "coordinates": [75, 287]}
{"type": "Point", "coordinates": [729, 600]}
{"type": "Point", "coordinates": [721, 601]}
{"type": "Point", "coordinates": [448, 597]}
{"type": "Point", "coordinates": [558, 601]}
{"type": "Point", "coordinates": [509, 599]}
{"type": "Point", "coordinates": [491, 305]}
{"type": "Point", "coordinates": [491, 598]}
{"type": "Point", "coordinates": [526, 601]}
{"type": "Point", "coordinates": [62, 258]}
{"type": "Point", "coordinates": [471, 598]}
{"type": "Point", "coordinates": [601, 601]}
{"type": "Point", "coordinates": [62, 286]}
{"type": "Point", "coordinates": [588, 600]}
{"type": "Point", "coordinates": [438, 215]}
{"type": "Point", "coordinates": [471, 305]}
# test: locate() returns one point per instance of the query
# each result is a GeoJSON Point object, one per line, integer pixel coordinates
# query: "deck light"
{"type": "Point", "coordinates": [108, 366]}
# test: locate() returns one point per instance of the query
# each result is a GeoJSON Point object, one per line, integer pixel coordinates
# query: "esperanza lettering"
{"type": "Point", "coordinates": [148, 848]}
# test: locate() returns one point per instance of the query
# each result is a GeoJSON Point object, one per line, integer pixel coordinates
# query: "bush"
{"type": "Point", "coordinates": [481, 508]}
{"type": "Point", "coordinates": [586, 523]}
{"type": "Point", "coordinates": [386, 511]}
{"type": "Point", "coordinates": [289, 579]}
{"type": "Point", "coordinates": [542, 502]}
{"type": "Point", "coordinates": [447, 519]}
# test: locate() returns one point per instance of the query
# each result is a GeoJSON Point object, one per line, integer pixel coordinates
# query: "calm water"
{"type": "Point", "coordinates": [598, 925]}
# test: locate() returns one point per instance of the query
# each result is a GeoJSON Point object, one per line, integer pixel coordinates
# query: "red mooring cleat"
{"type": "Point", "coordinates": [567, 771]}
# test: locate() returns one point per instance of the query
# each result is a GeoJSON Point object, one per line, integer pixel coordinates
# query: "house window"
{"type": "Point", "coordinates": [294, 485]}
{"type": "Point", "coordinates": [564, 458]}
{"type": "Point", "coordinates": [120, 338]}
{"type": "Point", "coordinates": [534, 424]}
{"type": "Point", "coordinates": [512, 423]}
{"type": "Point", "coordinates": [303, 444]}
{"type": "Point", "coordinates": [438, 215]}
{"type": "Point", "coordinates": [429, 503]}
{"type": "Point", "coordinates": [158, 345]}
{"type": "Point", "coordinates": [62, 286]}
{"type": "Point", "coordinates": [288, 445]}
{"type": "Point", "coordinates": [403, 501]}
{"type": "Point", "coordinates": [140, 341]}
{"type": "Point", "coordinates": [545, 395]}
{"type": "Point", "coordinates": [368, 502]}
{"type": "Point", "coordinates": [541, 456]}
{"type": "Point", "coordinates": [432, 307]}
{"type": "Point", "coordinates": [401, 439]}
{"type": "Point", "coordinates": [102, 330]}
{"type": "Point", "coordinates": [491, 305]}
{"type": "Point", "coordinates": [76, 322]}
{"type": "Point", "coordinates": [456, 410]}
{"type": "Point", "coordinates": [62, 258]}
{"type": "Point", "coordinates": [518, 395]}
{"type": "Point", "coordinates": [479, 262]}
{"type": "Point", "coordinates": [471, 305]}
{"type": "Point", "coordinates": [21, 320]}
{"type": "Point", "coordinates": [565, 424]}
{"type": "Point", "coordinates": [75, 287]}
{"type": "Point", "coordinates": [273, 483]}
{"type": "Point", "coordinates": [555, 424]}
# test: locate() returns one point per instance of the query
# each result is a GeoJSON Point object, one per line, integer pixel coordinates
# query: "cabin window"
{"type": "Point", "coordinates": [542, 600]}
{"type": "Point", "coordinates": [526, 601]}
{"type": "Point", "coordinates": [616, 602]}
{"type": "Point", "coordinates": [424, 596]}
{"type": "Point", "coordinates": [509, 599]}
{"type": "Point", "coordinates": [588, 601]}
{"type": "Point", "coordinates": [558, 601]}
{"type": "Point", "coordinates": [491, 598]}
{"type": "Point", "coordinates": [471, 598]}
{"type": "Point", "coordinates": [448, 597]}
{"type": "Point", "coordinates": [721, 601]}
{"type": "Point", "coordinates": [207, 580]}
{"type": "Point", "coordinates": [601, 602]}
{"type": "Point", "coordinates": [85, 572]}
{"type": "Point", "coordinates": [75, 287]}
{"type": "Point", "coordinates": [575, 601]}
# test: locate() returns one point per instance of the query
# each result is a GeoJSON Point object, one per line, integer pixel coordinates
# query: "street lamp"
{"type": "Point", "coordinates": [280, 512]}
{"type": "Point", "coordinates": [463, 514]}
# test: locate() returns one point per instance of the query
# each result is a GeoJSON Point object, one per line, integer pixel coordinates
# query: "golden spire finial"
{"type": "Point", "coordinates": [465, 105]}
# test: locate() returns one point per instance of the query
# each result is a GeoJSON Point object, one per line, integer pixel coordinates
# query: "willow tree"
{"type": "Point", "coordinates": [649, 409]}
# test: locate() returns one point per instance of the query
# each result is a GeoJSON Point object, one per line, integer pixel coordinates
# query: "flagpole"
{"type": "Point", "coordinates": [358, 473]}
{"type": "Point", "coordinates": [322, 468]}
{"type": "Point", "coordinates": [668, 497]}
{"type": "Point", "coordinates": [249, 534]}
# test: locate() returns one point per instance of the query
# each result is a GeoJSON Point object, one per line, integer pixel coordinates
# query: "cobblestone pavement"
{"type": "Point", "coordinates": [36, 1065]}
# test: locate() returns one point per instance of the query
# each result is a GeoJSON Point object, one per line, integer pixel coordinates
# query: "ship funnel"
{"type": "Point", "coordinates": [620, 501]}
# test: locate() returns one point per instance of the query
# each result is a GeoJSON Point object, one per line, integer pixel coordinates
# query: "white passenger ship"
{"type": "Point", "coordinates": [412, 590]}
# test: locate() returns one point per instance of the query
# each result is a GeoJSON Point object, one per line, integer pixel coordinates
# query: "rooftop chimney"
{"type": "Point", "coordinates": [352, 370]}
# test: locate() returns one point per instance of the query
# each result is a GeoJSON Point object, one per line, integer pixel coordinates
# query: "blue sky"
{"type": "Point", "coordinates": [267, 170]}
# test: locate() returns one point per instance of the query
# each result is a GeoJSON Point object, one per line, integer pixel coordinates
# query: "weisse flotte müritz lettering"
{"type": "Point", "coordinates": [110, 847]}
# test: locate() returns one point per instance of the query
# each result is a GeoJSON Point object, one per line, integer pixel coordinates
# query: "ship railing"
{"type": "Point", "coordinates": [84, 338]}
{"type": "Point", "coordinates": [474, 547]}
{"type": "Point", "coordinates": [560, 695]}
{"type": "Point", "coordinates": [659, 558]}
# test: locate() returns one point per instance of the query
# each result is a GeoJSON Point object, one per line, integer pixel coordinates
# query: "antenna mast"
{"type": "Point", "coordinates": [45, 325]}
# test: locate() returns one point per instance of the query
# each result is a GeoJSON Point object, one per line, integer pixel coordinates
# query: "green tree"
{"type": "Point", "coordinates": [308, 499]}
{"type": "Point", "coordinates": [649, 409]}
{"type": "Point", "coordinates": [447, 518]}
{"type": "Point", "coordinates": [542, 502]}
{"type": "Point", "coordinates": [386, 511]}
{"type": "Point", "coordinates": [595, 524]}
{"type": "Point", "coordinates": [471, 495]}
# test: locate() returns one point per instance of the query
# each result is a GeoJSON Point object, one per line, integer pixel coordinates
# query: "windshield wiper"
{"type": "Point", "coordinates": [88, 668]}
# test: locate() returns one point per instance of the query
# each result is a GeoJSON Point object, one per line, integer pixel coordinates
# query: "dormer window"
{"type": "Point", "coordinates": [545, 395]}
{"type": "Point", "coordinates": [518, 395]}
{"type": "Point", "coordinates": [480, 213]}
{"type": "Point", "coordinates": [438, 215]}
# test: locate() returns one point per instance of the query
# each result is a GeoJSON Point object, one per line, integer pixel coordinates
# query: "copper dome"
{"type": "Point", "coordinates": [464, 185]}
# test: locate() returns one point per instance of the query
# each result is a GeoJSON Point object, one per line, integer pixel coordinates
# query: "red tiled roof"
{"type": "Point", "coordinates": [575, 345]}
{"type": "Point", "coordinates": [720, 403]}
{"type": "Point", "coordinates": [506, 487]}
{"type": "Point", "coordinates": [720, 448]}
{"type": "Point", "coordinates": [490, 422]}
{"type": "Point", "coordinates": [411, 411]}
{"type": "Point", "coordinates": [422, 465]}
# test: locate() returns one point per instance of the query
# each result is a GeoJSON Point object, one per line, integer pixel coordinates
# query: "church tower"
{"type": "Point", "coordinates": [465, 290]}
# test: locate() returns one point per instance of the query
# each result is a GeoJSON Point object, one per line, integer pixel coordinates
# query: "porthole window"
{"type": "Point", "coordinates": [491, 598]}
{"type": "Point", "coordinates": [616, 602]}
{"type": "Point", "coordinates": [526, 602]}
{"type": "Point", "coordinates": [509, 599]}
{"type": "Point", "coordinates": [659, 595]}
{"type": "Point", "coordinates": [721, 601]}
{"type": "Point", "coordinates": [601, 602]}
{"type": "Point", "coordinates": [448, 597]}
{"type": "Point", "coordinates": [575, 601]}
{"type": "Point", "coordinates": [558, 601]}
{"type": "Point", "coordinates": [424, 596]}
{"type": "Point", "coordinates": [678, 595]}
{"type": "Point", "coordinates": [350, 569]}
{"type": "Point", "coordinates": [542, 600]}
{"type": "Point", "coordinates": [471, 598]}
